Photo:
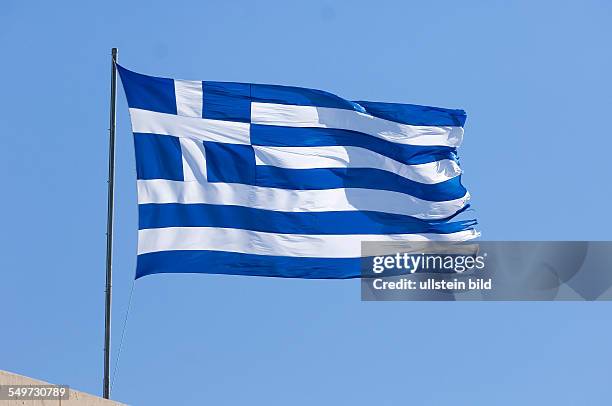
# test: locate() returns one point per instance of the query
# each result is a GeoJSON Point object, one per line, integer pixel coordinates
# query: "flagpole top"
{"type": "Point", "coordinates": [114, 54]}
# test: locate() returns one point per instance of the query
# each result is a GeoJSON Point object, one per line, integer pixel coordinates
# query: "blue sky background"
{"type": "Point", "coordinates": [534, 77]}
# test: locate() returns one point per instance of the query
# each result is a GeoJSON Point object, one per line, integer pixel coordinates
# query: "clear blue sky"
{"type": "Point", "coordinates": [534, 77]}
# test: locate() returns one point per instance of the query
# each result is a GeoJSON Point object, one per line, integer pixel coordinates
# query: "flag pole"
{"type": "Point", "coordinates": [109, 225]}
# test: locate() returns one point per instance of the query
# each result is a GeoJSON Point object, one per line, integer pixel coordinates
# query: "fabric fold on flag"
{"type": "Point", "coordinates": [269, 180]}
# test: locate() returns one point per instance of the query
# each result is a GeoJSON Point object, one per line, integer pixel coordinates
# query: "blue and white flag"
{"type": "Point", "coordinates": [250, 179]}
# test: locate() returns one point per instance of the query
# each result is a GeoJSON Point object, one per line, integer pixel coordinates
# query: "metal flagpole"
{"type": "Point", "coordinates": [109, 225]}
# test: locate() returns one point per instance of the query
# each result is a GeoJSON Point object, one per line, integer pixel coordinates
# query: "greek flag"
{"type": "Point", "coordinates": [251, 179]}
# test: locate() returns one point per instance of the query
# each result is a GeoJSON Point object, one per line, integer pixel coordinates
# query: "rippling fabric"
{"type": "Point", "coordinates": [268, 180]}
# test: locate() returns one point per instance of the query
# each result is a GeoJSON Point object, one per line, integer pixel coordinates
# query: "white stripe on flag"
{"type": "Point", "coordinates": [168, 191]}
{"type": "Point", "coordinates": [262, 243]}
{"type": "Point", "coordinates": [353, 157]}
{"type": "Point", "coordinates": [144, 121]}
{"type": "Point", "coordinates": [194, 160]}
{"type": "Point", "coordinates": [310, 116]}
{"type": "Point", "coordinates": [189, 97]}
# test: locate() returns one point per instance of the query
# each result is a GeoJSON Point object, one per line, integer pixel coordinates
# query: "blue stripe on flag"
{"type": "Point", "coordinates": [278, 136]}
{"type": "Point", "coordinates": [329, 223]}
{"type": "Point", "coordinates": [415, 115]}
{"type": "Point", "coordinates": [298, 96]}
{"type": "Point", "coordinates": [232, 263]}
{"type": "Point", "coordinates": [363, 178]}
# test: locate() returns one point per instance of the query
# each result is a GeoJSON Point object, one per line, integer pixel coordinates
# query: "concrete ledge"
{"type": "Point", "coordinates": [75, 398]}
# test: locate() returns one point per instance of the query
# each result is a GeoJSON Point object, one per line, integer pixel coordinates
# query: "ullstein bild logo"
{"type": "Point", "coordinates": [438, 266]}
{"type": "Point", "coordinates": [411, 263]}
{"type": "Point", "coordinates": [486, 270]}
